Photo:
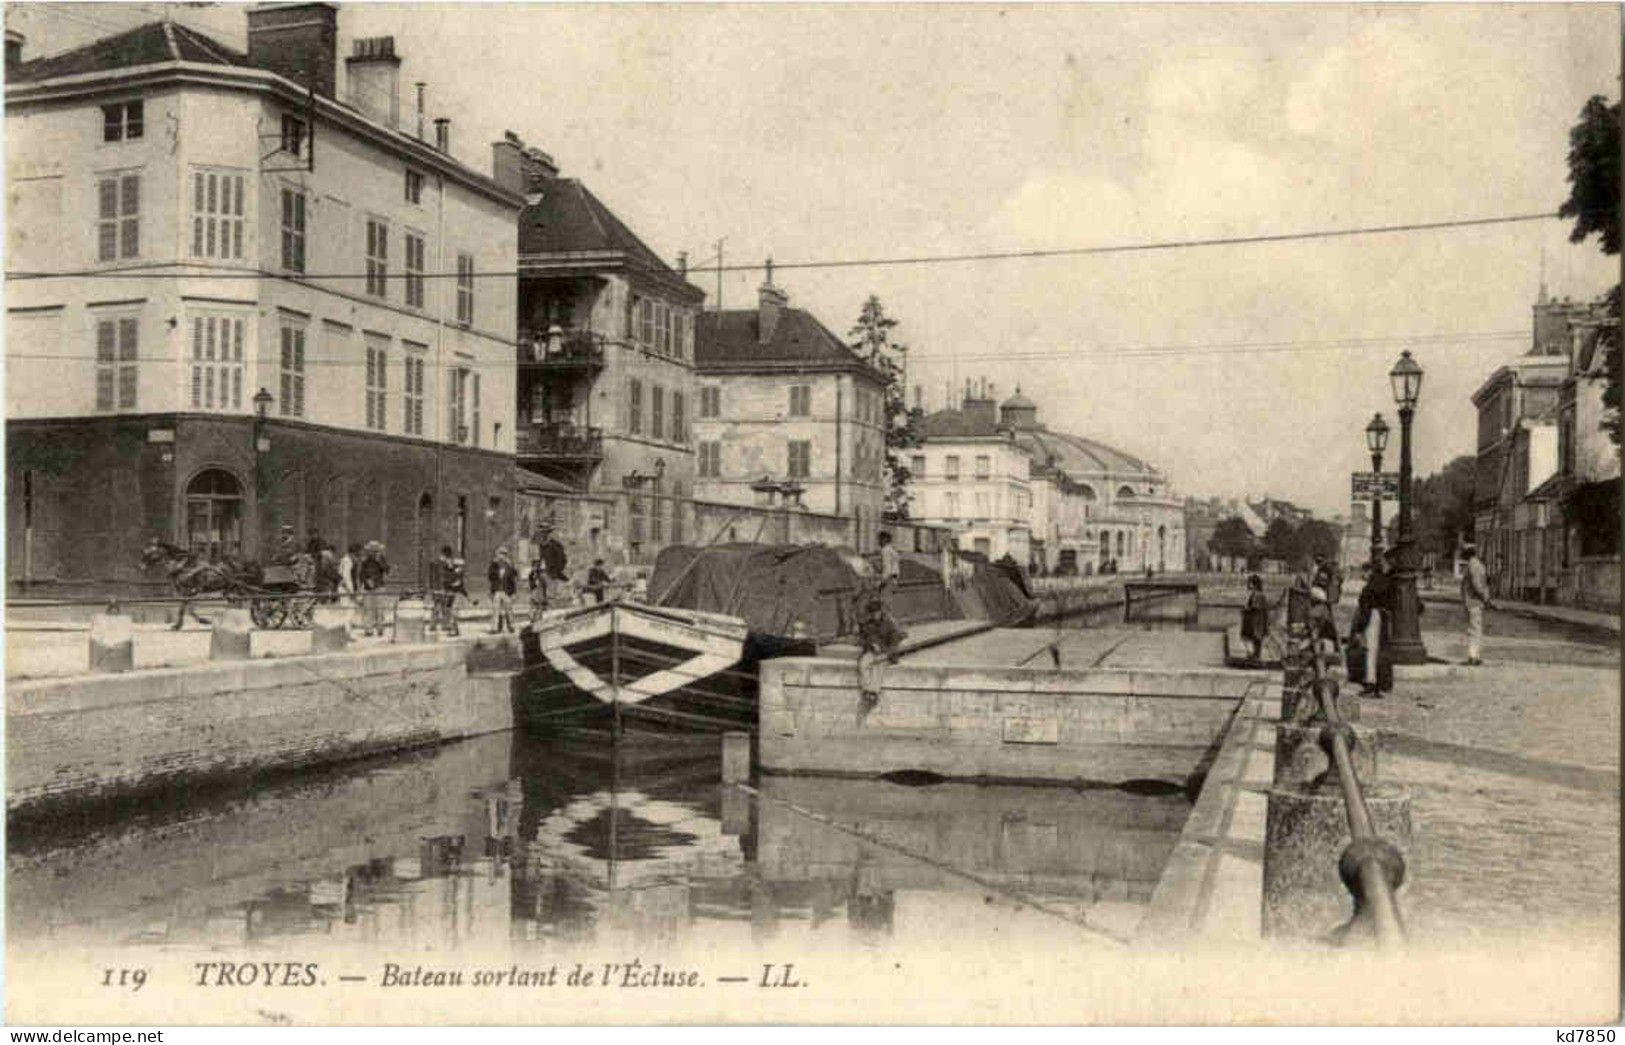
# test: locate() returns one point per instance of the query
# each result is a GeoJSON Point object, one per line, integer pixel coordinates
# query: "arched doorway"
{"type": "Point", "coordinates": [423, 535]}
{"type": "Point", "coordinates": [214, 514]}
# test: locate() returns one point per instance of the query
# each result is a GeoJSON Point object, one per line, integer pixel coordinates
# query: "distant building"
{"type": "Point", "coordinates": [780, 398]}
{"type": "Point", "coordinates": [605, 385]}
{"type": "Point", "coordinates": [220, 187]}
{"type": "Point", "coordinates": [1516, 503]}
{"type": "Point", "coordinates": [1049, 499]}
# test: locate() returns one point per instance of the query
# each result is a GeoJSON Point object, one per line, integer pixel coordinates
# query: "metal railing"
{"type": "Point", "coordinates": [568, 348]}
{"type": "Point", "coordinates": [1371, 867]}
{"type": "Point", "coordinates": [558, 440]}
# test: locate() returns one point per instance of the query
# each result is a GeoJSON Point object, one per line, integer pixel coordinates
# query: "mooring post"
{"type": "Point", "coordinates": [229, 639]}
{"type": "Point", "coordinates": [1306, 835]}
{"type": "Point", "coordinates": [735, 757]}
{"type": "Point", "coordinates": [112, 642]}
{"type": "Point", "coordinates": [330, 629]}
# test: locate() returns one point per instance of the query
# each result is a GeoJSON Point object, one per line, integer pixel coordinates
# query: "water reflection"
{"type": "Point", "coordinates": [508, 839]}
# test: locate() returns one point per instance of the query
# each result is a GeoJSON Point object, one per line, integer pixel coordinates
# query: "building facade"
{"type": "Point", "coordinates": [250, 242]}
{"type": "Point", "coordinates": [782, 400]}
{"type": "Point", "coordinates": [605, 385]}
{"type": "Point", "coordinates": [1516, 505]}
{"type": "Point", "coordinates": [1055, 502]}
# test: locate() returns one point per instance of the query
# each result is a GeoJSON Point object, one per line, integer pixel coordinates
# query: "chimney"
{"type": "Point", "coordinates": [420, 85]}
{"type": "Point", "coordinates": [442, 133]}
{"type": "Point", "coordinates": [375, 79]}
{"type": "Point", "coordinates": [507, 162]}
{"type": "Point", "coordinates": [978, 408]}
{"type": "Point", "coordinates": [682, 264]}
{"type": "Point", "coordinates": [14, 49]}
{"type": "Point", "coordinates": [770, 305]}
{"type": "Point", "coordinates": [298, 42]}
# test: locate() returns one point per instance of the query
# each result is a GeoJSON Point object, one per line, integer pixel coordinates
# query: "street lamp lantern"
{"type": "Point", "coordinates": [1406, 377]}
{"type": "Point", "coordinates": [1376, 435]}
{"type": "Point", "coordinates": [262, 403]}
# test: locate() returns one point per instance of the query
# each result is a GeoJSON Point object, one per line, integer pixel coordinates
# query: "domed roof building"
{"type": "Point", "coordinates": [1052, 500]}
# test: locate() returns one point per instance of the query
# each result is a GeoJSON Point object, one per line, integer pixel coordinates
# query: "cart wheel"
{"type": "Point", "coordinates": [268, 613]}
{"type": "Point", "coordinates": [299, 612]}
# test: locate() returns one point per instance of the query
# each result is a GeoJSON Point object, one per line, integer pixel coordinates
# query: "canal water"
{"type": "Point", "coordinates": [508, 840]}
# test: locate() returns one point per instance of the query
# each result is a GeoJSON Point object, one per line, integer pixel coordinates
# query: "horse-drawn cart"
{"type": "Point", "coordinates": [284, 597]}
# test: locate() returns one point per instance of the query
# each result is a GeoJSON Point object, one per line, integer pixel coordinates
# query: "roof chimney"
{"type": "Point", "coordinates": [298, 42]}
{"type": "Point", "coordinates": [507, 162]}
{"type": "Point", "coordinates": [442, 133]}
{"type": "Point", "coordinates": [375, 79]}
{"type": "Point", "coordinates": [770, 305]}
{"type": "Point", "coordinates": [420, 85]}
{"type": "Point", "coordinates": [14, 49]}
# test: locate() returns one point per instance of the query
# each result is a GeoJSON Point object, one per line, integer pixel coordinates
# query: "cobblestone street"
{"type": "Point", "coordinates": [1514, 773]}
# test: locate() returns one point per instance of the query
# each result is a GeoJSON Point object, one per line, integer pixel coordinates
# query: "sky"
{"type": "Point", "coordinates": [822, 132]}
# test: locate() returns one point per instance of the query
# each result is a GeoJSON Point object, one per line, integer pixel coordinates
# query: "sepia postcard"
{"type": "Point", "coordinates": [831, 513]}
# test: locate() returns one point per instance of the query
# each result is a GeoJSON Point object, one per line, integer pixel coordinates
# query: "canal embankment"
{"type": "Point", "coordinates": [94, 738]}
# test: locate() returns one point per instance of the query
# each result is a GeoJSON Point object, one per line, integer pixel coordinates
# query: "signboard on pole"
{"type": "Point", "coordinates": [1383, 484]}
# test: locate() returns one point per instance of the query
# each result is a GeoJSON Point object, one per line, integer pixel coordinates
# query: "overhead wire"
{"type": "Point", "coordinates": [923, 259]}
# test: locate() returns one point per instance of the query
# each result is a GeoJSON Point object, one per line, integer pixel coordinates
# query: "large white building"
{"type": "Point", "coordinates": [1050, 500]}
{"type": "Point", "coordinates": [241, 226]}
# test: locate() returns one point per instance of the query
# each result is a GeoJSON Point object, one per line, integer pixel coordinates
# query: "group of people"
{"type": "Point", "coordinates": [354, 578]}
{"type": "Point", "coordinates": [547, 579]}
{"type": "Point", "coordinates": [1370, 633]}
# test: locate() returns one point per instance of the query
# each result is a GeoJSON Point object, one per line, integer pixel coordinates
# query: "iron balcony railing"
{"type": "Point", "coordinates": [561, 349]}
{"type": "Point", "coordinates": [559, 442]}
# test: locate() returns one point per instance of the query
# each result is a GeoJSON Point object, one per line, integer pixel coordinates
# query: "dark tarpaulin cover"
{"type": "Point", "coordinates": [992, 595]}
{"type": "Point", "coordinates": [769, 586]}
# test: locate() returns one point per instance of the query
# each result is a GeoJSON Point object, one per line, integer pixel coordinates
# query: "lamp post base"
{"type": "Point", "coordinates": [1407, 652]}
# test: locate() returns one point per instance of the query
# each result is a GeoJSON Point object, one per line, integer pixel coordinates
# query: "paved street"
{"type": "Point", "coordinates": [1514, 773]}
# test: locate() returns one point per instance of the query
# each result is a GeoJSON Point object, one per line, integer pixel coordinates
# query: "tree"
{"type": "Point", "coordinates": [1232, 540]}
{"type": "Point", "coordinates": [1441, 507]}
{"type": "Point", "coordinates": [1280, 542]}
{"type": "Point", "coordinates": [905, 428]}
{"type": "Point", "coordinates": [1314, 537]}
{"type": "Point", "coordinates": [1593, 203]}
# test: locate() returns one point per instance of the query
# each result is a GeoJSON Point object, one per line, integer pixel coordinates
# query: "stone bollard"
{"type": "Point", "coordinates": [735, 758]}
{"type": "Point", "coordinates": [735, 812]}
{"type": "Point", "coordinates": [1305, 835]}
{"type": "Point", "coordinates": [112, 642]}
{"type": "Point", "coordinates": [329, 629]}
{"type": "Point", "coordinates": [1301, 758]}
{"type": "Point", "coordinates": [411, 620]}
{"type": "Point", "coordinates": [229, 639]}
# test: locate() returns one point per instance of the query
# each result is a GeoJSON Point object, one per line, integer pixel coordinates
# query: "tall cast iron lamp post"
{"type": "Point", "coordinates": [1376, 440]}
{"type": "Point", "coordinates": [262, 409]}
{"type": "Point", "coordinates": [1406, 645]}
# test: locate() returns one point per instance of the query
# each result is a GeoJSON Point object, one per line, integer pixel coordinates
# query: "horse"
{"type": "Point", "coordinates": [191, 575]}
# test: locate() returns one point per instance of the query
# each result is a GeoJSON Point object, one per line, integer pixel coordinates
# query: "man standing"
{"type": "Point", "coordinates": [504, 580]}
{"type": "Point", "coordinates": [1475, 597]}
{"type": "Point", "coordinates": [598, 580]}
{"type": "Point", "coordinates": [538, 590]}
{"type": "Point", "coordinates": [891, 566]}
{"type": "Point", "coordinates": [370, 573]}
{"type": "Point", "coordinates": [552, 554]}
{"type": "Point", "coordinates": [443, 582]}
{"type": "Point", "coordinates": [1374, 617]}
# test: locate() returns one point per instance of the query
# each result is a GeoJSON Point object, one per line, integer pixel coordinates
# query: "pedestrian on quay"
{"type": "Point", "coordinates": [1255, 616]}
{"type": "Point", "coordinates": [504, 580]}
{"type": "Point", "coordinates": [371, 572]}
{"type": "Point", "coordinates": [552, 554]}
{"type": "Point", "coordinates": [1373, 626]}
{"type": "Point", "coordinates": [443, 591]}
{"type": "Point", "coordinates": [891, 564]}
{"type": "Point", "coordinates": [538, 580]}
{"type": "Point", "coordinates": [1475, 598]}
{"type": "Point", "coordinates": [597, 580]}
{"type": "Point", "coordinates": [347, 576]}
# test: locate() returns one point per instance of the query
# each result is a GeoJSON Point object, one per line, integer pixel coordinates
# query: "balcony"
{"type": "Point", "coordinates": [558, 350]}
{"type": "Point", "coordinates": [564, 443]}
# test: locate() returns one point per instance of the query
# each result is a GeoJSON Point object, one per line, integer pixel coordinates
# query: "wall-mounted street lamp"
{"type": "Point", "coordinates": [1406, 379]}
{"type": "Point", "coordinates": [262, 409]}
{"type": "Point", "coordinates": [636, 480]}
{"type": "Point", "coordinates": [1376, 440]}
